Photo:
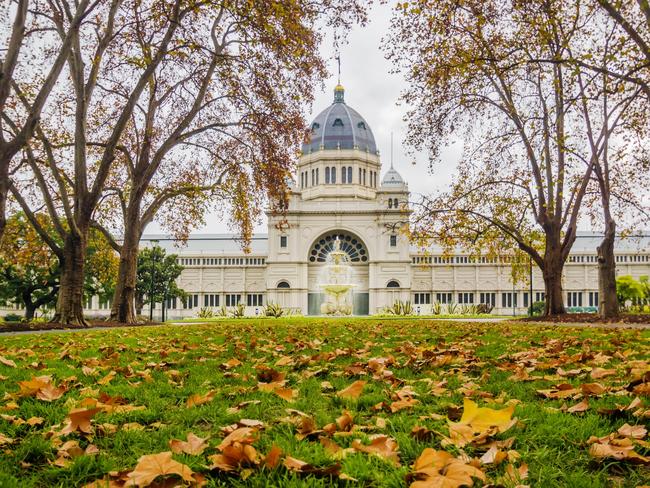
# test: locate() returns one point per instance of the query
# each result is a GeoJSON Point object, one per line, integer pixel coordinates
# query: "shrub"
{"type": "Point", "coordinates": [237, 311]}
{"type": "Point", "coordinates": [13, 317]}
{"type": "Point", "coordinates": [436, 308]}
{"type": "Point", "coordinates": [538, 308]}
{"type": "Point", "coordinates": [484, 308]}
{"type": "Point", "coordinates": [452, 308]}
{"type": "Point", "coordinates": [399, 308]}
{"type": "Point", "coordinates": [205, 313]}
{"type": "Point", "coordinates": [273, 310]}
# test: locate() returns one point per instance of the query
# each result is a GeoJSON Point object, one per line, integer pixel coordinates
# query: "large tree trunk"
{"type": "Point", "coordinates": [607, 301]}
{"type": "Point", "coordinates": [69, 306]}
{"type": "Point", "coordinates": [552, 274]}
{"type": "Point", "coordinates": [123, 309]}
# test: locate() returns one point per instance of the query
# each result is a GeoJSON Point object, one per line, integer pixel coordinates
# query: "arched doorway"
{"type": "Point", "coordinates": [358, 259]}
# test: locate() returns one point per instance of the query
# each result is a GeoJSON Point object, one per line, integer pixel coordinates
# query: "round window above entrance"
{"type": "Point", "coordinates": [350, 244]}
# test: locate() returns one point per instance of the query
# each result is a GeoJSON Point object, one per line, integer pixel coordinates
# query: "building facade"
{"type": "Point", "coordinates": [339, 192]}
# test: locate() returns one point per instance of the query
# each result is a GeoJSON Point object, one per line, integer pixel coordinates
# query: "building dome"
{"type": "Point", "coordinates": [392, 178]}
{"type": "Point", "coordinates": [340, 127]}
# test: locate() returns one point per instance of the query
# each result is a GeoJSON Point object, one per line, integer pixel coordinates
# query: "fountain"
{"type": "Point", "coordinates": [336, 282]}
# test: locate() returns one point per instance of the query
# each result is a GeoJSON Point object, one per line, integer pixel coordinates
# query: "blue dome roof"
{"type": "Point", "coordinates": [340, 127]}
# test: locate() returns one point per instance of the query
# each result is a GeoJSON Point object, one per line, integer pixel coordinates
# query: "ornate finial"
{"type": "Point", "coordinates": [338, 94]}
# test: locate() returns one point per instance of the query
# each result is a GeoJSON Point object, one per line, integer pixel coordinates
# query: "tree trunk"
{"type": "Point", "coordinates": [4, 192]}
{"type": "Point", "coordinates": [552, 273]}
{"type": "Point", "coordinates": [139, 304]}
{"type": "Point", "coordinates": [69, 306]}
{"type": "Point", "coordinates": [30, 310]}
{"type": "Point", "coordinates": [607, 301]}
{"type": "Point", "coordinates": [123, 309]}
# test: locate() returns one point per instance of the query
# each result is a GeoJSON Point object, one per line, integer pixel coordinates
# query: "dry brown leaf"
{"type": "Point", "coordinates": [194, 445]}
{"type": "Point", "coordinates": [579, 407]}
{"type": "Point", "coordinates": [244, 435]}
{"type": "Point", "coordinates": [634, 432]}
{"type": "Point", "coordinates": [439, 469]}
{"type": "Point", "coordinates": [272, 459]}
{"type": "Point", "coordinates": [79, 420]}
{"type": "Point", "coordinates": [198, 399]}
{"type": "Point", "coordinates": [598, 373]}
{"type": "Point", "coordinates": [382, 446]}
{"type": "Point", "coordinates": [593, 389]}
{"type": "Point", "coordinates": [493, 456]}
{"type": "Point", "coordinates": [107, 379]}
{"type": "Point", "coordinates": [403, 404]}
{"type": "Point", "coordinates": [286, 394]}
{"type": "Point", "coordinates": [152, 466]}
{"type": "Point", "coordinates": [231, 363]}
{"type": "Point", "coordinates": [298, 466]}
{"type": "Point", "coordinates": [353, 391]}
{"type": "Point", "coordinates": [7, 362]}
{"type": "Point", "coordinates": [49, 393]}
{"type": "Point", "coordinates": [242, 405]}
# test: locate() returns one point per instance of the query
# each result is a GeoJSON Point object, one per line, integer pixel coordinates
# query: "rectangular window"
{"type": "Point", "coordinates": [232, 300]}
{"type": "Point", "coordinates": [422, 298]}
{"type": "Point", "coordinates": [211, 300]}
{"type": "Point", "coordinates": [593, 298]}
{"type": "Point", "coordinates": [191, 301]}
{"type": "Point", "coordinates": [507, 300]}
{"type": "Point", "coordinates": [540, 296]}
{"type": "Point", "coordinates": [283, 241]}
{"type": "Point", "coordinates": [317, 176]}
{"type": "Point", "coordinates": [393, 240]}
{"type": "Point", "coordinates": [313, 179]}
{"type": "Point", "coordinates": [254, 300]}
{"type": "Point", "coordinates": [574, 299]}
{"type": "Point", "coordinates": [171, 303]}
{"type": "Point", "coordinates": [488, 298]}
{"type": "Point", "coordinates": [466, 298]}
{"type": "Point", "coordinates": [443, 297]}
{"type": "Point", "coordinates": [364, 177]}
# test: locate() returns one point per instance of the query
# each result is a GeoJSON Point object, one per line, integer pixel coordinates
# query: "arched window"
{"type": "Point", "coordinates": [333, 175]}
{"type": "Point", "coordinates": [349, 174]}
{"type": "Point", "coordinates": [343, 175]}
{"type": "Point", "coordinates": [395, 203]}
{"type": "Point", "coordinates": [390, 203]}
{"type": "Point", "coordinates": [337, 123]}
{"type": "Point", "coordinates": [392, 284]}
{"type": "Point", "coordinates": [285, 284]}
{"type": "Point", "coordinates": [327, 175]}
{"type": "Point", "coordinates": [350, 244]}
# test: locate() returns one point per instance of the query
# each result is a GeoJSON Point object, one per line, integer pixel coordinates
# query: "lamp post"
{"type": "Point", "coordinates": [154, 243]}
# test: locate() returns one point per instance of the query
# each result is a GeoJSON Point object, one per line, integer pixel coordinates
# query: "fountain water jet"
{"type": "Point", "coordinates": [336, 283]}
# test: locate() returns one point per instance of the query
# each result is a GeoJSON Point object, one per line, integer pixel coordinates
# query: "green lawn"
{"type": "Point", "coordinates": [429, 366]}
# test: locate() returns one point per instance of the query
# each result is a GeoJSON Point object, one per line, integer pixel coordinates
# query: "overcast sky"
{"type": "Point", "coordinates": [372, 91]}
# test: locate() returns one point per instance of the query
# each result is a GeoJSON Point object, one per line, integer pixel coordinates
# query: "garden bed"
{"type": "Point", "coordinates": [36, 326]}
{"type": "Point", "coordinates": [590, 318]}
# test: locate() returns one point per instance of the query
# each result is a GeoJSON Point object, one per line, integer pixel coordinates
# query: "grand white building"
{"type": "Point", "coordinates": [340, 190]}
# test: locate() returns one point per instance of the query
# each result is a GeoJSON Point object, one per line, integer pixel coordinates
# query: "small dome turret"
{"type": "Point", "coordinates": [392, 178]}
